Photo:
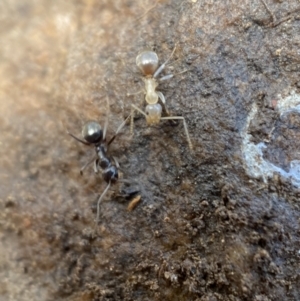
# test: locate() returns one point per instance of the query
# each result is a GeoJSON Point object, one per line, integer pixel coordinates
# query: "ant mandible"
{"type": "Point", "coordinates": [94, 135]}
{"type": "Point", "coordinates": [147, 62]}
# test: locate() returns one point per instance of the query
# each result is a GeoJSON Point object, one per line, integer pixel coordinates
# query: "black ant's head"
{"type": "Point", "coordinates": [92, 132]}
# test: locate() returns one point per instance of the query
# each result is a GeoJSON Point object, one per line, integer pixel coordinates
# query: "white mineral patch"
{"type": "Point", "coordinates": [255, 164]}
{"type": "Point", "coordinates": [289, 103]}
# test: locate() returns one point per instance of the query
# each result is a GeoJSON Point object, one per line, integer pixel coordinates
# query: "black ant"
{"type": "Point", "coordinates": [93, 134]}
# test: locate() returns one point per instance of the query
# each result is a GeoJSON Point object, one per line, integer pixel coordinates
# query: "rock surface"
{"type": "Point", "coordinates": [207, 227]}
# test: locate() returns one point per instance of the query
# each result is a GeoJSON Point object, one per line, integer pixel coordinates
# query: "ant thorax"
{"type": "Point", "coordinates": [150, 86]}
{"type": "Point", "coordinates": [153, 113]}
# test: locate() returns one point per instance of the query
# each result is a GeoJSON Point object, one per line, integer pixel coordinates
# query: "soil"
{"type": "Point", "coordinates": [204, 229]}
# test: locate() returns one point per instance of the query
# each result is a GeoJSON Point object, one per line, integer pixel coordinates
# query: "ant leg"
{"type": "Point", "coordinates": [118, 130]}
{"type": "Point", "coordinates": [169, 76]}
{"type": "Point", "coordinates": [136, 93]}
{"type": "Point", "coordinates": [99, 201]}
{"type": "Point", "coordinates": [163, 100]}
{"type": "Point", "coordinates": [138, 109]}
{"type": "Point", "coordinates": [133, 109]}
{"type": "Point", "coordinates": [116, 162]}
{"type": "Point", "coordinates": [79, 140]}
{"type": "Point", "coordinates": [87, 164]}
{"type": "Point", "coordinates": [131, 120]}
{"type": "Point", "coordinates": [95, 167]}
{"type": "Point", "coordinates": [162, 67]}
{"type": "Point", "coordinates": [122, 125]}
{"type": "Point", "coordinates": [185, 128]}
{"type": "Point", "coordinates": [166, 77]}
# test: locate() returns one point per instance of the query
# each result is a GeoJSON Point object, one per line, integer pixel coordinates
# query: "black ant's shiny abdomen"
{"type": "Point", "coordinates": [110, 174]}
{"type": "Point", "coordinates": [92, 132]}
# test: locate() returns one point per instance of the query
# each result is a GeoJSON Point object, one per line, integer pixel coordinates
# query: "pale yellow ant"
{"type": "Point", "coordinates": [147, 62]}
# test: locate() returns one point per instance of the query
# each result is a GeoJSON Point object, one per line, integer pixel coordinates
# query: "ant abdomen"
{"type": "Point", "coordinates": [110, 174]}
{"type": "Point", "coordinates": [147, 61]}
{"type": "Point", "coordinates": [92, 132]}
{"type": "Point", "coordinates": [153, 112]}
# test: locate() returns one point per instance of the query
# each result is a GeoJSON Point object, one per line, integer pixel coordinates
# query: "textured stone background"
{"type": "Point", "coordinates": [205, 229]}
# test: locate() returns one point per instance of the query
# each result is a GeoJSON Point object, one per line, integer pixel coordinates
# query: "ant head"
{"type": "Point", "coordinates": [147, 61]}
{"type": "Point", "coordinates": [92, 132]}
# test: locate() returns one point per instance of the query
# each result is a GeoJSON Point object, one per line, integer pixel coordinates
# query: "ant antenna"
{"type": "Point", "coordinates": [76, 138]}
{"type": "Point", "coordinates": [106, 119]}
{"type": "Point", "coordinates": [160, 69]}
{"type": "Point", "coordinates": [118, 130]}
{"type": "Point", "coordinates": [87, 164]}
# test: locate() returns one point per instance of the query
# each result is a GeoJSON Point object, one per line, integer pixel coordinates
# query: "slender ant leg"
{"type": "Point", "coordinates": [163, 100]}
{"type": "Point", "coordinates": [118, 130]}
{"type": "Point", "coordinates": [184, 125]}
{"type": "Point", "coordinates": [100, 200]}
{"type": "Point", "coordinates": [87, 164]}
{"type": "Point", "coordinates": [133, 109]}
